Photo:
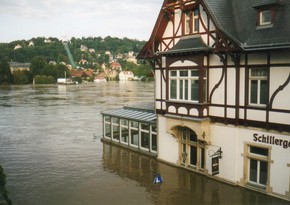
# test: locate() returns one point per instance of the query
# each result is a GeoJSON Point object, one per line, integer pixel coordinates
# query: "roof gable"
{"type": "Point", "coordinates": [237, 20]}
{"type": "Point", "coordinates": [240, 22]}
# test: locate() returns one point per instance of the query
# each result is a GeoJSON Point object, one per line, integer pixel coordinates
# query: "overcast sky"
{"type": "Point", "coordinates": [25, 19]}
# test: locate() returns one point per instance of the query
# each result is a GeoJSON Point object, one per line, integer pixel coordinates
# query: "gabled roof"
{"type": "Point", "coordinates": [237, 19]}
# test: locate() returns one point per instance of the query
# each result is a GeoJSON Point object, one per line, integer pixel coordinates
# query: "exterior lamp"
{"type": "Point", "coordinates": [203, 135]}
{"type": "Point", "coordinates": [219, 153]}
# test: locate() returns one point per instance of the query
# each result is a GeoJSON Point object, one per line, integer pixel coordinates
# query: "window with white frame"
{"type": "Point", "coordinates": [185, 85]}
{"type": "Point", "coordinates": [191, 22]}
{"type": "Point", "coordinates": [107, 127]}
{"type": "Point", "coordinates": [259, 86]}
{"type": "Point", "coordinates": [124, 130]}
{"type": "Point", "coordinates": [116, 128]}
{"type": "Point", "coordinates": [258, 158]}
{"type": "Point", "coordinates": [145, 136]}
{"type": "Point", "coordinates": [134, 132]}
{"type": "Point", "coordinates": [187, 22]}
{"type": "Point", "coordinates": [265, 17]}
{"type": "Point", "coordinates": [191, 149]}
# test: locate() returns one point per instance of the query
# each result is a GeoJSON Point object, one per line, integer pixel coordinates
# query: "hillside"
{"type": "Point", "coordinates": [52, 49]}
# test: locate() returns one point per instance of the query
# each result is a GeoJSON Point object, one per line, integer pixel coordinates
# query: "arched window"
{"type": "Point", "coordinates": [192, 153]}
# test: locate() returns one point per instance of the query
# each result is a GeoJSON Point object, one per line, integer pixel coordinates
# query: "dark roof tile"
{"type": "Point", "coordinates": [188, 44]}
{"type": "Point", "coordinates": [238, 20]}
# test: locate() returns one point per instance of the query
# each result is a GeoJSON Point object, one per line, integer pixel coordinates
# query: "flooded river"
{"type": "Point", "coordinates": [51, 153]}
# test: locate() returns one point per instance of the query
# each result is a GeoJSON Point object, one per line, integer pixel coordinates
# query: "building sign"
{"type": "Point", "coordinates": [269, 139]}
{"type": "Point", "coordinates": [215, 166]}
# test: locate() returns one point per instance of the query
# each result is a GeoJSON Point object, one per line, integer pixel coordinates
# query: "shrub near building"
{"type": "Point", "coordinates": [20, 78]}
{"type": "Point", "coordinates": [43, 79]}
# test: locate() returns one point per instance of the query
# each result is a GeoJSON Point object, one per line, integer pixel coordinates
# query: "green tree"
{"type": "Point", "coordinates": [78, 79]}
{"type": "Point", "coordinates": [6, 76]}
{"type": "Point", "coordinates": [39, 79]}
{"type": "Point", "coordinates": [43, 79]}
{"type": "Point", "coordinates": [50, 80]}
{"type": "Point", "coordinates": [37, 65]}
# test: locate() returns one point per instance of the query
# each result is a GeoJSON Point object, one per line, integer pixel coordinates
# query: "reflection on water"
{"type": "Point", "coordinates": [51, 152]}
{"type": "Point", "coordinates": [179, 186]}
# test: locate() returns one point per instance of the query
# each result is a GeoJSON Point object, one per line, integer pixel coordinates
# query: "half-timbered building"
{"type": "Point", "coordinates": [222, 89]}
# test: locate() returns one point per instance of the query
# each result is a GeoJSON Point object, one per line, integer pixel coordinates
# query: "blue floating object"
{"type": "Point", "coordinates": [158, 179]}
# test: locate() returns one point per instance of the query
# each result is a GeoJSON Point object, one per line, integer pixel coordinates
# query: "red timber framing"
{"type": "Point", "coordinates": [227, 50]}
{"type": "Point", "coordinates": [158, 43]}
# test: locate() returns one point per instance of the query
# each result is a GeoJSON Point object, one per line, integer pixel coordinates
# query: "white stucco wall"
{"type": "Point", "coordinates": [218, 95]}
{"type": "Point", "coordinates": [227, 140]}
{"type": "Point", "coordinates": [280, 157]}
{"type": "Point", "coordinates": [232, 141]}
{"type": "Point", "coordinates": [167, 144]}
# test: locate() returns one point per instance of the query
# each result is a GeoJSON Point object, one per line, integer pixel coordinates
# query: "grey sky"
{"type": "Point", "coordinates": [25, 19]}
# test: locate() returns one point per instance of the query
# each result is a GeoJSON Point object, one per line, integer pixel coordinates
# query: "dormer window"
{"type": "Point", "coordinates": [266, 12]}
{"type": "Point", "coordinates": [265, 17]}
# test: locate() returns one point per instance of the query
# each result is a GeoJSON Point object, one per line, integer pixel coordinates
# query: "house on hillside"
{"type": "Point", "coordinates": [222, 89]}
{"type": "Point", "coordinates": [31, 44]}
{"type": "Point", "coordinates": [17, 66]}
{"type": "Point", "coordinates": [83, 62]}
{"type": "Point", "coordinates": [131, 57]}
{"type": "Point", "coordinates": [126, 75]}
{"type": "Point", "coordinates": [111, 74]}
{"type": "Point", "coordinates": [47, 40]}
{"type": "Point", "coordinates": [116, 66]}
{"type": "Point", "coordinates": [83, 48]}
{"type": "Point", "coordinates": [18, 46]}
{"type": "Point", "coordinates": [101, 77]}
{"type": "Point", "coordinates": [119, 56]}
{"type": "Point", "coordinates": [83, 74]}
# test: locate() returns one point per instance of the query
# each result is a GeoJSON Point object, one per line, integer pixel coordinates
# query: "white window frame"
{"type": "Point", "coordinates": [149, 136]}
{"type": "Point", "coordinates": [187, 23]}
{"type": "Point", "coordinates": [182, 95]}
{"type": "Point", "coordinates": [186, 145]}
{"type": "Point", "coordinates": [262, 21]}
{"type": "Point", "coordinates": [126, 127]}
{"type": "Point", "coordinates": [190, 18]}
{"type": "Point", "coordinates": [259, 158]}
{"type": "Point", "coordinates": [130, 136]}
{"type": "Point", "coordinates": [195, 20]}
{"type": "Point", "coordinates": [259, 79]}
{"type": "Point", "coordinates": [118, 126]}
{"type": "Point", "coordinates": [107, 123]}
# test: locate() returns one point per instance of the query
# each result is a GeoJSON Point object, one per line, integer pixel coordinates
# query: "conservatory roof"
{"type": "Point", "coordinates": [133, 114]}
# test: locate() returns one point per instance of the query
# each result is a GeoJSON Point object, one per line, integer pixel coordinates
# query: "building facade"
{"type": "Point", "coordinates": [222, 84]}
{"type": "Point", "coordinates": [126, 75]}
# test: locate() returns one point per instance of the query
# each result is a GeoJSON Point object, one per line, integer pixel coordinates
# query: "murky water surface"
{"type": "Point", "coordinates": [51, 152]}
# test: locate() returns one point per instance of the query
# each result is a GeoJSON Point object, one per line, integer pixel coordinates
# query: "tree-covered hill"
{"type": "Point", "coordinates": [49, 58]}
{"type": "Point", "coordinates": [53, 50]}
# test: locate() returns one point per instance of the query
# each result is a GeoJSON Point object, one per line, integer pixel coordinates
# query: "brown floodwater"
{"type": "Point", "coordinates": [52, 154]}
